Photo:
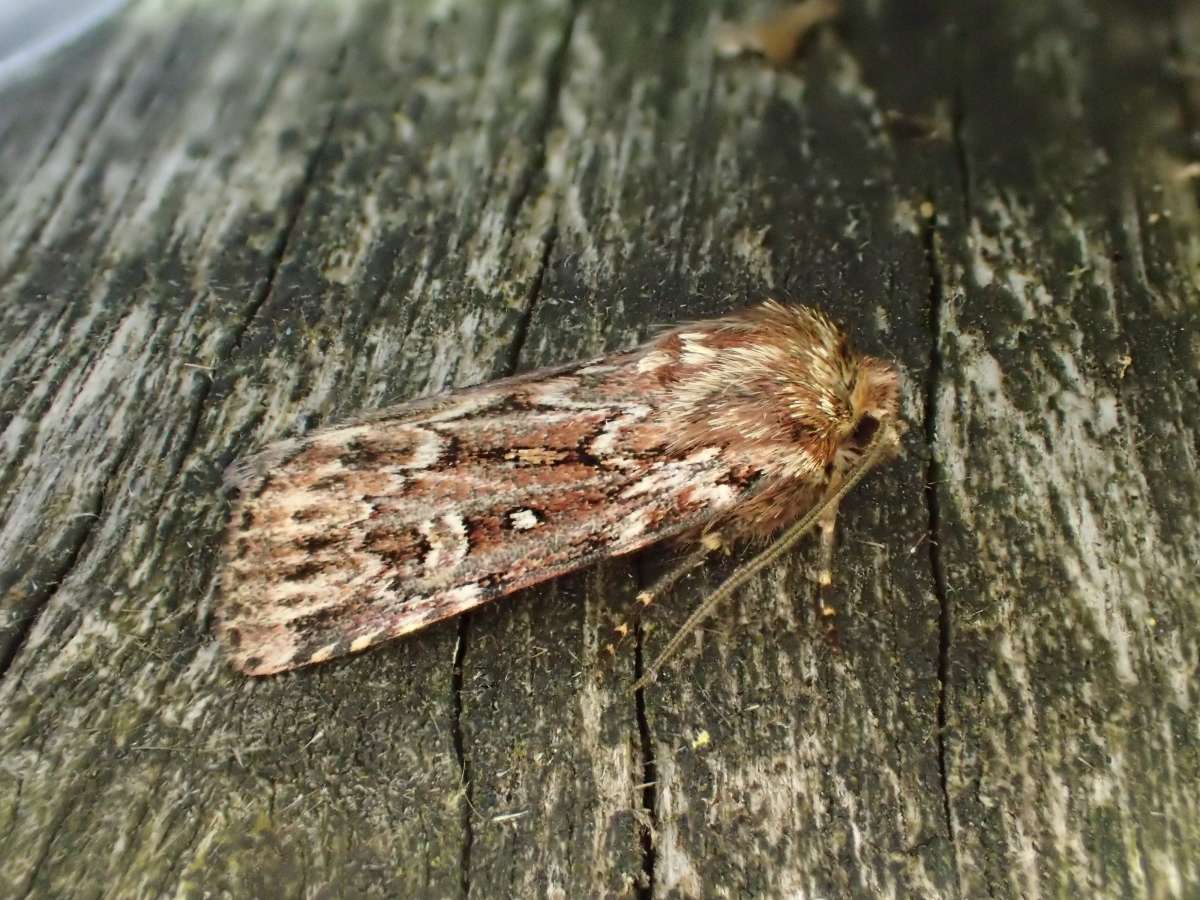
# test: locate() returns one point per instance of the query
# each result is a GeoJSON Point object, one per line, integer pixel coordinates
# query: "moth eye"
{"type": "Point", "coordinates": [864, 431]}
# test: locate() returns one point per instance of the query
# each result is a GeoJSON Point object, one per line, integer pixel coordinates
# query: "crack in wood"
{"type": "Point", "coordinates": [933, 476]}
{"type": "Point", "coordinates": [460, 754]}
{"type": "Point", "coordinates": [62, 185]}
{"type": "Point", "coordinates": [556, 71]}
{"type": "Point", "coordinates": [522, 328]}
{"type": "Point", "coordinates": [649, 772]}
{"type": "Point", "coordinates": [77, 540]}
{"type": "Point", "coordinates": [934, 473]}
{"type": "Point", "coordinates": [275, 260]}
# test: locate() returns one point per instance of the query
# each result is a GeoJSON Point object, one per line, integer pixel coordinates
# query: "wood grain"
{"type": "Point", "coordinates": [223, 225]}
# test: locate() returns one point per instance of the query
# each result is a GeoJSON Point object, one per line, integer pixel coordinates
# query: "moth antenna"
{"type": "Point", "coordinates": [886, 436]}
{"type": "Point", "coordinates": [709, 543]}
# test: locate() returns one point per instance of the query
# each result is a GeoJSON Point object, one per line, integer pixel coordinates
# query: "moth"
{"type": "Point", "coordinates": [750, 427]}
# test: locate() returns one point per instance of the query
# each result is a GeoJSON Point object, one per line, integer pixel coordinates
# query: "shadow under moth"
{"type": "Point", "coordinates": [750, 427]}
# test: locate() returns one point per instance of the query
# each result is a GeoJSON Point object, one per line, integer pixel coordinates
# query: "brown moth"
{"type": "Point", "coordinates": [746, 427]}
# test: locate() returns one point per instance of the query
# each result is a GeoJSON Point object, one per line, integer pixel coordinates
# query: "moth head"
{"type": "Point", "coordinates": [782, 382]}
{"type": "Point", "coordinates": [873, 402]}
{"type": "Point", "coordinates": [836, 398]}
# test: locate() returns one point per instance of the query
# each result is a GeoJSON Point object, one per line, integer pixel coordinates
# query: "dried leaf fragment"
{"type": "Point", "coordinates": [1187, 171]}
{"type": "Point", "coordinates": [778, 37]}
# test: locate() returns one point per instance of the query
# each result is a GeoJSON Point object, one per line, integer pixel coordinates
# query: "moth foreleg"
{"type": "Point", "coordinates": [828, 527]}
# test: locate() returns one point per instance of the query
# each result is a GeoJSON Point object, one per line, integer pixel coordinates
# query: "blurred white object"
{"type": "Point", "coordinates": [30, 29]}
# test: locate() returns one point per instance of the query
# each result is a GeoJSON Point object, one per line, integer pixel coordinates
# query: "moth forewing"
{"type": "Point", "coordinates": [361, 532]}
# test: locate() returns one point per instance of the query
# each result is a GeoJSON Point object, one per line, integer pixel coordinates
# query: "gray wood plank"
{"type": "Point", "coordinates": [219, 227]}
{"type": "Point", "coordinates": [1066, 424]}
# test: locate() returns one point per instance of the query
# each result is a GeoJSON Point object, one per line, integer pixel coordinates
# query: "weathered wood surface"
{"type": "Point", "coordinates": [220, 225]}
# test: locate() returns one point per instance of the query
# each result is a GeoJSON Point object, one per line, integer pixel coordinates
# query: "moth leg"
{"type": "Point", "coordinates": [828, 527]}
{"type": "Point", "coordinates": [710, 542]}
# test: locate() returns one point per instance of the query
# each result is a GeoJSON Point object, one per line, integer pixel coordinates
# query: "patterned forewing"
{"type": "Point", "coordinates": [363, 532]}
